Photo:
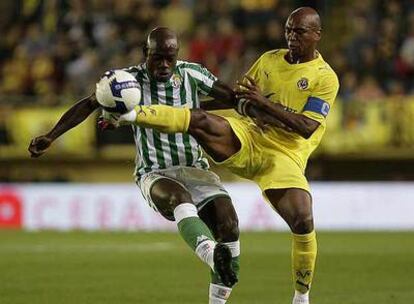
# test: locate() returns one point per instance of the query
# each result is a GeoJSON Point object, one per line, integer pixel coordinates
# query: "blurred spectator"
{"type": "Point", "coordinates": [349, 82]}
{"type": "Point", "coordinates": [199, 45]}
{"type": "Point", "coordinates": [226, 40]}
{"type": "Point", "coordinates": [177, 16]}
{"type": "Point", "coordinates": [368, 90]}
{"type": "Point", "coordinates": [83, 71]}
{"type": "Point", "coordinates": [15, 78]}
{"type": "Point", "coordinates": [361, 39]}
{"type": "Point", "coordinates": [274, 37]}
{"type": "Point", "coordinates": [42, 72]}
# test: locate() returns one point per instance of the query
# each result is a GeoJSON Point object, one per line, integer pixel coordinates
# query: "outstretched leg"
{"type": "Point", "coordinates": [212, 132]}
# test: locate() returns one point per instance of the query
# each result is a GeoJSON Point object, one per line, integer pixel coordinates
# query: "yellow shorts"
{"type": "Point", "coordinates": [269, 168]}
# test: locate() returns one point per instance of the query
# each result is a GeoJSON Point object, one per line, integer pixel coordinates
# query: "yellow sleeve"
{"type": "Point", "coordinates": [322, 98]}
{"type": "Point", "coordinates": [255, 70]}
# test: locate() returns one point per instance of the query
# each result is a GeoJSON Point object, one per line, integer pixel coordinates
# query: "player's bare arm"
{"type": "Point", "coordinates": [298, 123]}
{"type": "Point", "coordinates": [225, 98]}
{"type": "Point", "coordinates": [72, 117]}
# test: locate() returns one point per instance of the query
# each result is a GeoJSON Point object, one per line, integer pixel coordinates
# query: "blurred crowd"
{"type": "Point", "coordinates": [52, 52]}
{"type": "Point", "coordinates": [55, 50]}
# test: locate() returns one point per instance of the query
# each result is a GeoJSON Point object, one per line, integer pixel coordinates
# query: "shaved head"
{"type": "Point", "coordinates": [161, 51]}
{"type": "Point", "coordinates": [161, 38]}
{"type": "Point", "coordinates": [308, 15]}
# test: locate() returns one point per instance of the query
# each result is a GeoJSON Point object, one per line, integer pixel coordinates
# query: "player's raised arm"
{"type": "Point", "coordinates": [70, 119]}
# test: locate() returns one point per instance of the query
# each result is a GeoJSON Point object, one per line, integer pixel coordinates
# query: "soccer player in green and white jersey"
{"type": "Point", "coordinates": [170, 170]}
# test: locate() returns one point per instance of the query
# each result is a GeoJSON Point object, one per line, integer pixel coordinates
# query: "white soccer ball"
{"type": "Point", "coordinates": [118, 92]}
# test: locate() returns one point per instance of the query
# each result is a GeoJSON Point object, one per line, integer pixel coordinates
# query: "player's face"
{"type": "Point", "coordinates": [161, 62]}
{"type": "Point", "coordinates": [300, 36]}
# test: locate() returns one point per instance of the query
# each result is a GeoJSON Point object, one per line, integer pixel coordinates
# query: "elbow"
{"type": "Point", "coordinates": [307, 130]}
{"type": "Point", "coordinates": [307, 127]}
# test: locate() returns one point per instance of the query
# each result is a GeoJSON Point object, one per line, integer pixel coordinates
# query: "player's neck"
{"type": "Point", "coordinates": [296, 59]}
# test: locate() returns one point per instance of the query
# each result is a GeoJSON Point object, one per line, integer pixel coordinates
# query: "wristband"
{"type": "Point", "coordinates": [242, 106]}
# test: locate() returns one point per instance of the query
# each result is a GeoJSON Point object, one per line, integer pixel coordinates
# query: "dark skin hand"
{"type": "Point", "coordinates": [297, 123]}
{"type": "Point", "coordinates": [74, 116]}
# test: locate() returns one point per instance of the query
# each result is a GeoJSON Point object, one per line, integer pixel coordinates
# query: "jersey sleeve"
{"type": "Point", "coordinates": [203, 78]}
{"type": "Point", "coordinates": [322, 98]}
{"type": "Point", "coordinates": [255, 70]}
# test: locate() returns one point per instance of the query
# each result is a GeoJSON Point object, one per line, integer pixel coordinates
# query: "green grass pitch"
{"type": "Point", "coordinates": [80, 267]}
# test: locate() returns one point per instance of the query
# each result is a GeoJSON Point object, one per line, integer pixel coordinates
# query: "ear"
{"type": "Point", "coordinates": [318, 35]}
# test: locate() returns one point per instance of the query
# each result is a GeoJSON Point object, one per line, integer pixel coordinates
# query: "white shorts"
{"type": "Point", "coordinates": [203, 185]}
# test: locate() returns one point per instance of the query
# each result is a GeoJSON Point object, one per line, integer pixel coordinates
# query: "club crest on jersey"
{"type": "Point", "coordinates": [303, 83]}
{"type": "Point", "coordinates": [176, 81]}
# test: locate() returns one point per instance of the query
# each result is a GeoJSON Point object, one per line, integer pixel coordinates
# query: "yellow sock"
{"type": "Point", "coordinates": [163, 118]}
{"type": "Point", "coordinates": [304, 251]}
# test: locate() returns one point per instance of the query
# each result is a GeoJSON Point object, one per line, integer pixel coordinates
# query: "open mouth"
{"type": "Point", "coordinates": [164, 74]}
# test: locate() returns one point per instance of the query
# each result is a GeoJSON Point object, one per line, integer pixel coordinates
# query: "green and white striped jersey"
{"type": "Point", "coordinates": [156, 150]}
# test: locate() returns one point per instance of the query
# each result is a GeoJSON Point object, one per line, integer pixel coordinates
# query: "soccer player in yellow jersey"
{"type": "Point", "coordinates": [288, 93]}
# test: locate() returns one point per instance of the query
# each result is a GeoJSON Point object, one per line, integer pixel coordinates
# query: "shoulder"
{"type": "Point", "coordinates": [272, 57]}
{"type": "Point", "coordinates": [273, 54]}
{"type": "Point", "coordinates": [193, 69]}
{"type": "Point", "coordinates": [186, 65]}
{"type": "Point", "coordinates": [326, 73]}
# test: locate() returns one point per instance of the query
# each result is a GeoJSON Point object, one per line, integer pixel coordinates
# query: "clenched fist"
{"type": "Point", "coordinates": [39, 145]}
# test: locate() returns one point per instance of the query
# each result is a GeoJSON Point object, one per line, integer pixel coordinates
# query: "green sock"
{"type": "Point", "coordinates": [195, 232]}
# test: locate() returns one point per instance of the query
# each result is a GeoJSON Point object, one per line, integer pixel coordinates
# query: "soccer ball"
{"type": "Point", "coordinates": [118, 92]}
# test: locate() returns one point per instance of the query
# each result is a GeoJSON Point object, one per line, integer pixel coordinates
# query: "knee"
{"type": "Point", "coordinates": [302, 223]}
{"type": "Point", "coordinates": [228, 231]}
{"type": "Point", "coordinates": [167, 202]}
{"type": "Point", "coordinates": [178, 198]}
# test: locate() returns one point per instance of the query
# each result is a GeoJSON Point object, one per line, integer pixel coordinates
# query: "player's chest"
{"type": "Point", "coordinates": [290, 88]}
{"type": "Point", "coordinates": [172, 93]}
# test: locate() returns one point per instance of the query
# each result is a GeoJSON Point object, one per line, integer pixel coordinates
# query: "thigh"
{"type": "Point", "coordinates": [220, 216]}
{"type": "Point", "coordinates": [293, 204]}
{"type": "Point", "coordinates": [279, 171]}
{"type": "Point", "coordinates": [240, 152]}
{"type": "Point", "coordinates": [214, 134]}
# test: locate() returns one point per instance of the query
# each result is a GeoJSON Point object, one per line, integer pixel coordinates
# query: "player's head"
{"type": "Point", "coordinates": [303, 31]}
{"type": "Point", "coordinates": [161, 50]}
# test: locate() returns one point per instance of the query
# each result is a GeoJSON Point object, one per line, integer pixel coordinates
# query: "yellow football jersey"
{"type": "Point", "coordinates": [308, 88]}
